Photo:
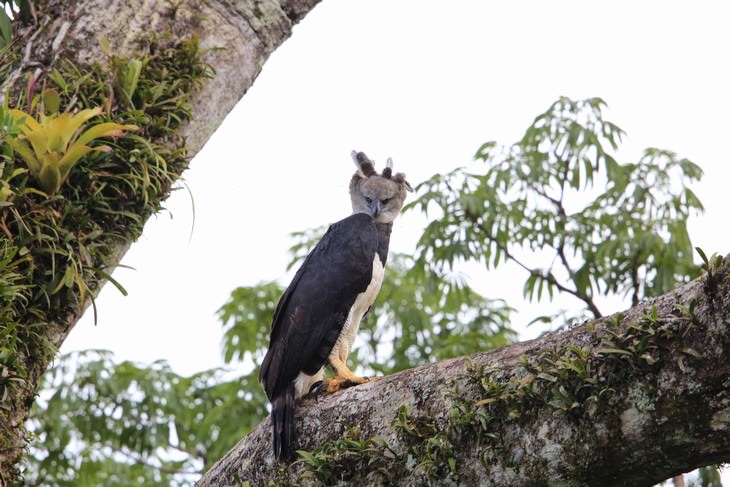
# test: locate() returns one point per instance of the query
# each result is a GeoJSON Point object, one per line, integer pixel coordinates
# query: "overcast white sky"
{"type": "Point", "coordinates": [426, 83]}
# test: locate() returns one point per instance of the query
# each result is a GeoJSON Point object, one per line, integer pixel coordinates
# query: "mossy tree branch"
{"type": "Point", "coordinates": [235, 38]}
{"type": "Point", "coordinates": [630, 399]}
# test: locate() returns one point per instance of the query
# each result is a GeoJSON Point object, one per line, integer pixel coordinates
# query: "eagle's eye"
{"type": "Point", "coordinates": [368, 200]}
{"type": "Point", "coordinates": [385, 201]}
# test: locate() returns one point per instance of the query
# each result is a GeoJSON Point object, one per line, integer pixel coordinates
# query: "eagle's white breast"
{"type": "Point", "coordinates": [363, 301]}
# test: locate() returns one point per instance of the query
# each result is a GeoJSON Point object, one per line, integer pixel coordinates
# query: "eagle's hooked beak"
{"type": "Point", "coordinates": [376, 207]}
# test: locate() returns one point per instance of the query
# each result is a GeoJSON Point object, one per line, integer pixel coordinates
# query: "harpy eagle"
{"type": "Point", "coordinates": [318, 315]}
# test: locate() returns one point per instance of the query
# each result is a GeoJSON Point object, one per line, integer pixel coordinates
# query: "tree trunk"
{"type": "Point", "coordinates": [237, 38]}
{"type": "Point", "coordinates": [627, 400]}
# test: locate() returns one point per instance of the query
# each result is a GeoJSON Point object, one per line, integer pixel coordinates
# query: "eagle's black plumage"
{"type": "Point", "coordinates": [312, 311]}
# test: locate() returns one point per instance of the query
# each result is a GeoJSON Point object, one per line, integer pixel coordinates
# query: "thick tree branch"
{"type": "Point", "coordinates": [630, 399]}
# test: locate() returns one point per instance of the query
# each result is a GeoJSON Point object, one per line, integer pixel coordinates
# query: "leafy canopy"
{"type": "Point", "coordinates": [557, 203]}
{"type": "Point", "coordinates": [598, 227]}
{"type": "Point", "coordinates": [98, 422]}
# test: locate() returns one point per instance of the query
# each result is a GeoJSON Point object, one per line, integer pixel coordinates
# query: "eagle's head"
{"type": "Point", "coordinates": [379, 195]}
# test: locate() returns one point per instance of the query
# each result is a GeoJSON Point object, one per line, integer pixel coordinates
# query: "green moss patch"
{"type": "Point", "coordinates": [56, 250]}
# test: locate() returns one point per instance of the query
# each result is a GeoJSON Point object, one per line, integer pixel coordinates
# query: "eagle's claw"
{"type": "Point", "coordinates": [336, 384]}
{"type": "Point", "coordinates": [317, 387]}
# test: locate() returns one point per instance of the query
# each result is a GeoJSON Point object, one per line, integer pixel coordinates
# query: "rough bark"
{"type": "Point", "coordinates": [652, 401]}
{"type": "Point", "coordinates": [238, 38]}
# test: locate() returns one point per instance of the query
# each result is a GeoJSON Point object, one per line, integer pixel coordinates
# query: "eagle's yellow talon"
{"type": "Point", "coordinates": [338, 383]}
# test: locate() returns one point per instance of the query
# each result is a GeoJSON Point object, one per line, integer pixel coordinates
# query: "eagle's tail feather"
{"type": "Point", "coordinates": [282, 423]}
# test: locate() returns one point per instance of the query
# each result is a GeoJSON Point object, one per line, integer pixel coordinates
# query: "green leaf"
{"type": "Point", "coordinates": [6, 29]}
{"type": "Point", "coordinates": [692, 201]}
{"type": "Point", "coordinates": [692, 352]}
{"type": "Point", "coordinates": [116, 283]}
{"type": "Point", "coordinates": [58, 79]}
{"type": "Point", "coordinates": [51, 101]}
{"type": "Point", "coordinates": [612, 351]}
{"type": "Point", "coordinates": [703, 256]}
{"type": "Point", "coordinates": [104, 45]}
{"type": "Point", "coordinates": [308, 458]}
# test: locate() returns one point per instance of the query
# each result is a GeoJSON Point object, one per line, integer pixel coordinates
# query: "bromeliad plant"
{"type": "Point", "coordinates": [52, 146]}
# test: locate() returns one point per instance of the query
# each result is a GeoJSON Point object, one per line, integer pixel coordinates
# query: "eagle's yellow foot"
{"type": "Point", "coordinates": [343, 378]}
{"type": "Point", "coordinates": [338, 383]}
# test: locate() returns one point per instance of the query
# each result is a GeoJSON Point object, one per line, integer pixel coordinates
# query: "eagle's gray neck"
{"type": "Point", "coordinates": [384, 230]}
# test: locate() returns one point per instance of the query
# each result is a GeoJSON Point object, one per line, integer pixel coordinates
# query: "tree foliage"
{"type": "Point", "coordinates": [557, 203]}
{"type": "Point", "coordinates": [104, 423]}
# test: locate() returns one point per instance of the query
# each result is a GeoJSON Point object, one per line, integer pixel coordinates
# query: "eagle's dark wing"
{"type": "Point", "coordinates": [313, 309]}
{"type": "Point", "coordinates": [310, 316]}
